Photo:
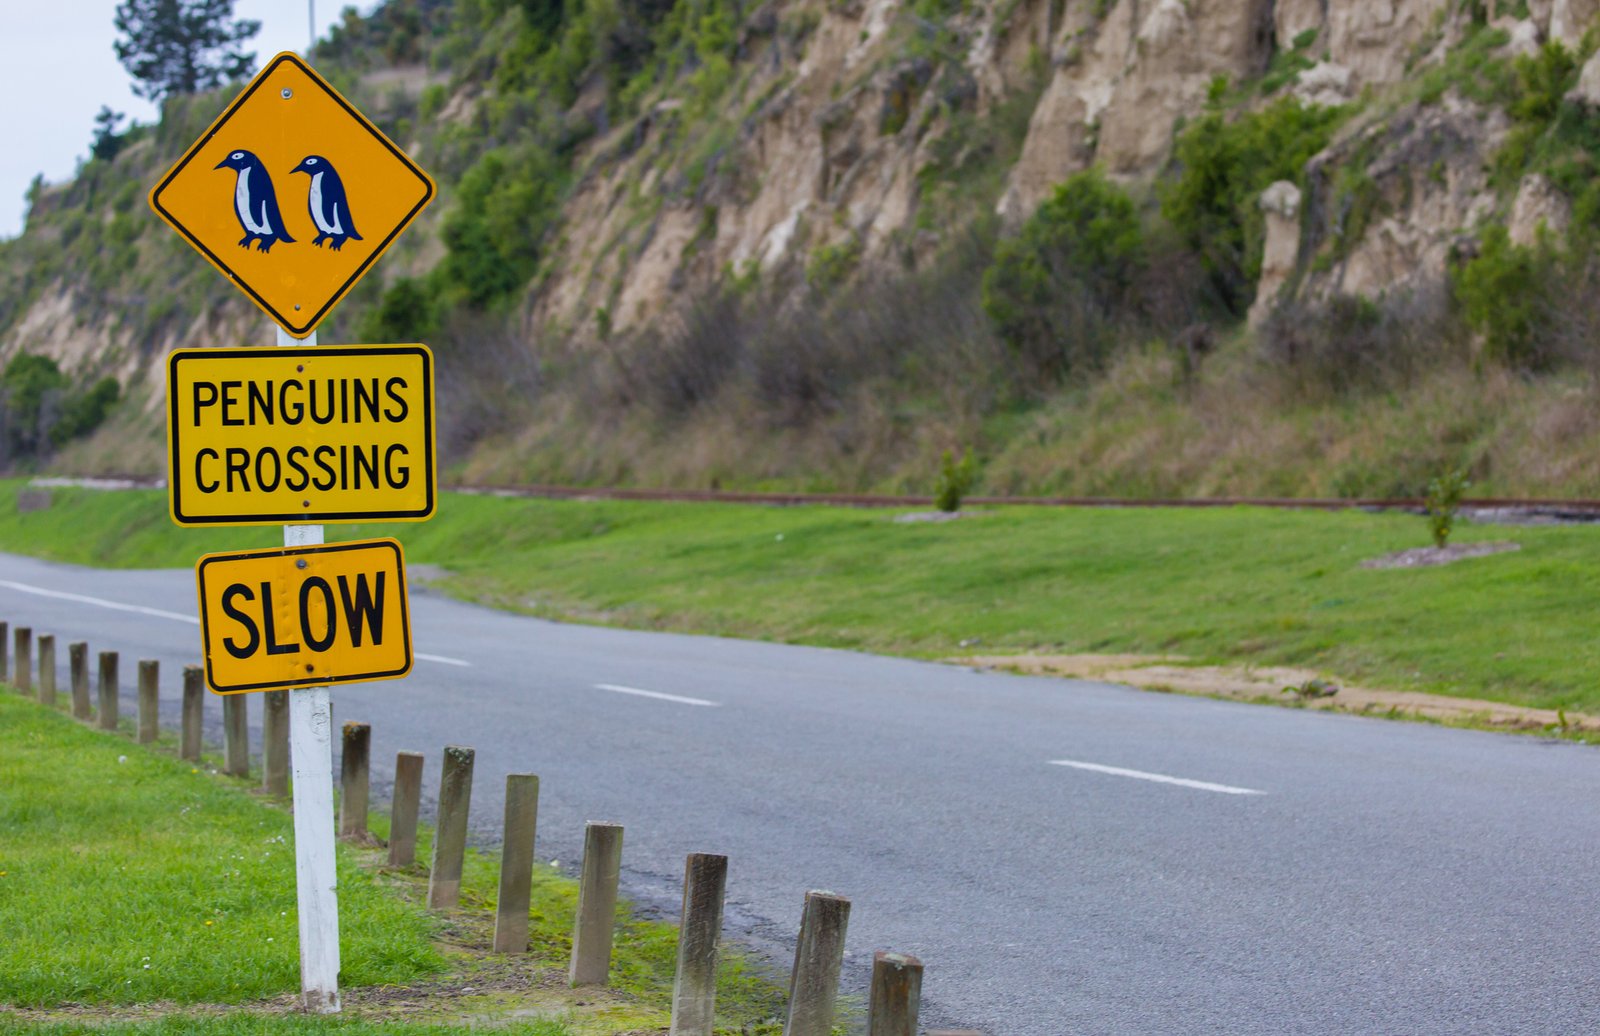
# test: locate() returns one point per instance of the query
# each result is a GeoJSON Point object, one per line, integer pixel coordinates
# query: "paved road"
{"type": "Point", "coordinates": [1314, 873]}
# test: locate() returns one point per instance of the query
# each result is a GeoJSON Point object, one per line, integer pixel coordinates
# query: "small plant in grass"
{"type": "Point", "coordinates": [955, 481]}
{"type": "Point", "coordinates": [1443, 501]}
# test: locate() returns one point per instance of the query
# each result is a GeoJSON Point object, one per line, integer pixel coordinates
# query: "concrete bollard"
{"type": "Point", "coordinates": [22, 680]}
{"type": "Point", "coordinates": [450, 836]}
{"type": "Point", "coordinates": [818, 958]}
{"type": "Point", "coordinates": [47, 670]}
{"type": "Point", "coordinates": [516, 864]}
{"type": "Point", "coordinates": [194, 697]}
{"type": "Point", "coordinates": [403, 810]}
{"type": "Point", "coordinates": [597, 905]}
{"type": "Point", "coordinates": [108, 690]}
{"type": "Point", "coordinates": [149, 699]}
{"type": "Point", "coordinates": [275, 743]}
{"type": "Point", "coordinates": [78, 674]}
{"type": "Point", "coordinates": [896, 995]}
{"type": "Point", "coordinates": [355, 770]}
{"type": "Point", "coordinates": [694, 990]}
{"type": "Point", "coordinates": [235, 736]}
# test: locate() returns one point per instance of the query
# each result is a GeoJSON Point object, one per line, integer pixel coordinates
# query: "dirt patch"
{"type": "Point", "coordinates": [1419, 557]}
{"type": "Point", "coordinates": [1268, 683]}
{"type": "Point", "coordinates": [938, 516]}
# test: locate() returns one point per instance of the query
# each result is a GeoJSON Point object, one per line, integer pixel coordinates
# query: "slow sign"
{"type": "Point", "coordinates": [300, 435]}
{"type": "Point", "coordinates": [301, 616]}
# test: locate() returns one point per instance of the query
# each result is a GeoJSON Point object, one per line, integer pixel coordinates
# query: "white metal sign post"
{"type": "Point", "coordinates": [311, 760]}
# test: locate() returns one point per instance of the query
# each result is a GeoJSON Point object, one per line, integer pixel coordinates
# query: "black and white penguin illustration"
{"type": "Point", "coordinates": [255, 203]}
{"type": "Point", "coordinates": [330, 207]}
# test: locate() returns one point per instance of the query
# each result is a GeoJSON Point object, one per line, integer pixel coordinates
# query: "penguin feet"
{"type": "Point", "coordinates": [265, 244]}
{"type": "Point", "coordinates": [337, 243]}
{"type": "Point", "coordinates": [319, 239]}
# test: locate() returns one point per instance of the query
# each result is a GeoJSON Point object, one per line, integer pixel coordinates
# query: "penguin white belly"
{"type": "Point", "coordinates": [327, 222]}
{"type": "Point", "coordinates": [241, 205]}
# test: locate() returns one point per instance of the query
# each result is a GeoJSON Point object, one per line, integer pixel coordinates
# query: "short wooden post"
{"type": "Point", "coordinates": [597, 905]}
{"type": "Point", "coordinates": [235, 736]}
{"type": "Point", "coordinates": [403, 810]}
{"type": "Point", "coordinates": [355, 769]}
{"type": "Point", "coordinates": [275, 742]}
{"type": "Point", "coordinates": [108, 690]}
{"type": "Point", "coordinates": [23, 679]}
{"type": "Point", "coordinates": [694, 990]}
{"type": "Point", "coordinates": [450, 836]}
{"type": "Point", "coordinates": [516, 864]}
{"type": "Point", "coordinates": [896, 995]}
{"type": "Point", "coordinates": [149, 700]}
{"type": "Point", "coordinates": [194, 697]}
{"type": "Point", "coordinates": [5, 648]}
{"type": "Point", "coordinates": [78, 673]}
{"type": "Point", "coordinates": [818, 958]}
{"type": "Point", "coordinates": [47, 669]}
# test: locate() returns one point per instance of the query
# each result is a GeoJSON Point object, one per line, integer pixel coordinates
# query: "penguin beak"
{"type": "Point", "coordinates": [301, 168]}
{"type": "Point", "coordinates": [221, 165]}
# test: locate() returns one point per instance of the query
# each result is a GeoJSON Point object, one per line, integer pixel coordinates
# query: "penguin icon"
{"type": "Point", "coordinates": [330, 208]}
{"type": "Point", "coordinates": [255, 203]}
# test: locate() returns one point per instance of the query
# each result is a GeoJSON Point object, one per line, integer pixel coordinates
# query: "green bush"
{"type": "Point", "coordinates": [1221, 168]}
{"type": "Point", "coordinates": [955, 481]}
{"type": "Point", "coordinates": [505, 204]}
{"type": "Point", "coordinates": [407, 312]}
{"type": "Point", "coordinates": [1443, 501]}
{"type": "Point", "coordinates": [1505, 293]}
{"type": "Point", "coordinates": [1056, 291]}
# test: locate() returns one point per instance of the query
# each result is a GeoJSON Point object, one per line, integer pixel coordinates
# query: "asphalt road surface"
{"type": "Point", "coordinates": [1065, 857]}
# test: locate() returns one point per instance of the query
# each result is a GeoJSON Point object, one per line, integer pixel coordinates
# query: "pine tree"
{"type": "Point", "coordinates": [181, 46]}
{"type": "Point", "coordinates": [107, 141]}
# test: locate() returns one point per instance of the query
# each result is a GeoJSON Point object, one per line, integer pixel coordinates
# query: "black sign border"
{"type": "Point", "coordinates": [325, 548]}
{"type": "Point", "coordinates": [306, 329]}
{"type": "Point", "coordinates": [175, 484]}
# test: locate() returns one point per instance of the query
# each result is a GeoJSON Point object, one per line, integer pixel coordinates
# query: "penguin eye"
{"type": "Point", "coordinates": [237, 155]}
{"type": "Point", "coordinates": [311, 161]}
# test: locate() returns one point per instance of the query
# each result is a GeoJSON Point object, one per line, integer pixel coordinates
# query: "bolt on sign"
{"type": "Point", "coordinates": [292, 194]}
{"type": "Point", "coordinates": [302, 616]}
{"type": "Point", "coordinates": [300, 434]}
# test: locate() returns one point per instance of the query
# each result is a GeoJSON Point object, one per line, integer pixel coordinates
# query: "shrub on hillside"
{"type": "Point", "coordinates": [1350, 343]}
{"type": "Point", "coordinates": [1509, 293]}
{"type": "Point", "coordinates": [1058, 291]}
{"type": "Point", "coordinates": [1221, 167]}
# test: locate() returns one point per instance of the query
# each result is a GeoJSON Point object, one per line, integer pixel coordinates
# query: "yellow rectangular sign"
{"type": "Point", "coordinates": [303, 616]}
{"type": "Point", "coordinates": [300, 435]}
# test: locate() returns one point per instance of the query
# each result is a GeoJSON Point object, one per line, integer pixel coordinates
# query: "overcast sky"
{"type": "Point", "coordinates": [57, 68]}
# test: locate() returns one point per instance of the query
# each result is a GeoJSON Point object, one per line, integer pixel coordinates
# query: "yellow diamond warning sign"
{"type": "Point", "coordinates": [300, 616]}
{"type": "Point", "coordinates": [292, 194]}
{"type": "Point", "coordinates": [300, 435]}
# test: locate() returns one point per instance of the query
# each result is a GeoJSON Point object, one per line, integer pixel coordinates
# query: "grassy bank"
{"type": "Point", "coordinates": [1226, 585]}
{"type": "Point", "coordinates": [141, 894]}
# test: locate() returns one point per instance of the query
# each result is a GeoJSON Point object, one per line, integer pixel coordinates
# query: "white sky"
{"type": "Point", "coordinates": [57, 68]}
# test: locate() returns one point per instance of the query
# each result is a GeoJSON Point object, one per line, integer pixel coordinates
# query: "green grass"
{"type": "Point", "coordinates": [141, 894]}
{"type": "Point", "coordinates": [1235, 585]}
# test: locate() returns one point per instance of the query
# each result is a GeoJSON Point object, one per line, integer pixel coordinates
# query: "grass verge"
{"type": "Point", "coordinates": [1235, 585]}
{"type": "Point", "coordinates": [143, 895]}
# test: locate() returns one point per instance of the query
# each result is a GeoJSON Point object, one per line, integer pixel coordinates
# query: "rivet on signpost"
{"type": "Point", "coordinates": [47, 670]}
{"type": "Point", "coordinates": [194, 696]}
{"type": "Point", "coordinates": [355, 767]}
{"type": "Point", "coordinates": [450, 836]}
{"type": "Point", "coordinates": [694, 989]}
{"type": "Point", "coordinates": [597, 905]}
{"type": "Point", "coordinates": [24, 676]}
{"type": "Point", "coordinates": [235, 736]}
{"type": "Point", "coordinates": [149, 700]}
{"type": "Point", "coordinates": [78, 673]}
{"type": "Point", "coordinates": [818, 959]}
{"type": "Point", "coordinates": [108, 690]}
{"type": "Point", "coordinates": [275, 743]}
{"type": "Point", "coordinates": [516, 864]}
{"type": "Point", "coordinates": [896, 995]}
{"type": "Point", "coordinates": [403, 810]}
